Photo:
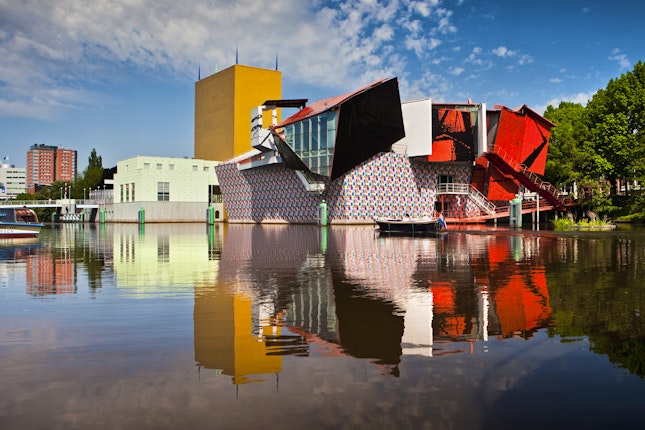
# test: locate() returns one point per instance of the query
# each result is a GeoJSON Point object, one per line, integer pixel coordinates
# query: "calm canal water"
{"type": "Point", "coordinates": [239, 326]}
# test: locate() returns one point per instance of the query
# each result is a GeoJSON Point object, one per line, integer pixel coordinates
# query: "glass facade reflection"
{"type": "Point", "coordinates": [312, 139]}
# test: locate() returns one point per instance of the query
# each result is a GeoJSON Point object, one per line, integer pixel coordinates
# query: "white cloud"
{"type": "Point", "coordinates": [524, 60]}
{"type": "Point", "coordinates": [474, 56]}
{"type": "Point", "coordinates": [581, 98]}
{"type": "Point", "coordinates": [444, 21]}
{"type": "Point", "coordinates": [503, 51]}
{"type": "Point", "coordinates": [621, 59]}
{"type": "Point", "coordinates": [457, 71]}
{"type": "Point", "coordinates": [556, 80]}
{"type": "Point", "coordinates": [69, 45]}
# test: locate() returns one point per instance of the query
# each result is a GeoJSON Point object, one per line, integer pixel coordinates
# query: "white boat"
{"type": "Point", "coordinates": [18, 222]}
{"type": "Point", "coordinates": [425, 225]}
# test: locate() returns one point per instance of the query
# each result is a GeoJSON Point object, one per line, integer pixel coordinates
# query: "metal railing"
{"type": "Point", "coordinates": [473, 194]}
{"type": "Point", "coordinates": [49, 203]}
{"type": "Point", "coordinates": [533, 177]}
{"type": "Point", "coordinates": [452, 188]}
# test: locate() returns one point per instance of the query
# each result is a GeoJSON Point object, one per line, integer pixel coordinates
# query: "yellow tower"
{"type": "Point", "coordinates": [223, 104]}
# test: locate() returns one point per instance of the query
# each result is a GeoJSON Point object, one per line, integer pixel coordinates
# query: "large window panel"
{"type": "Point", "coordinates": [163, 191]}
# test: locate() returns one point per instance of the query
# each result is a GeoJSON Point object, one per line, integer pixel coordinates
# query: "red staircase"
{"type": "Point", "coordinates": [505, 163]}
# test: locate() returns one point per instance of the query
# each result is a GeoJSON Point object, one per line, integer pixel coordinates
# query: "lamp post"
{"type": "Point", "coordinates": [83, 194]}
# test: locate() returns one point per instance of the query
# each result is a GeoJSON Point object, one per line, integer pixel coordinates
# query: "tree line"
{"type": "Point", "coordinates": [598, 150]}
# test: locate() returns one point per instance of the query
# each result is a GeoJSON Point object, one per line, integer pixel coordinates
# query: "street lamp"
{"type": "Point", "coordinates": [83, 193]}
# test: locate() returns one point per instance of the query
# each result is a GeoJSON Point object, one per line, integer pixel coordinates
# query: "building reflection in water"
{"type": "Point", "coordinates": [306, 290]}
{"type": "Point", "coordinates": [162, 261]}
{"type": "Point", "coordinates": [265, 292]}
{"type": "Point", "coordinates": [48, 271]}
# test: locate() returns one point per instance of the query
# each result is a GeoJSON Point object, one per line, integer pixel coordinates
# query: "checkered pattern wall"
{"type": "Point", "coordinates": [388, 184]}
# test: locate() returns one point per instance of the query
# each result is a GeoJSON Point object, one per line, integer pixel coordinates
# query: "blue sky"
{"type": "Point", "coordinates": [119, 75]}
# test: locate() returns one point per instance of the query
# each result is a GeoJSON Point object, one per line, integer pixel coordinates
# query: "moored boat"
{"type": "Point", "coordinates": [18, 223]}
{"type": "Point", "coordinates": [425, 225]}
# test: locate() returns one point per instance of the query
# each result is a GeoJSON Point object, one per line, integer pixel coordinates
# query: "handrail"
{"type": "Point", "coordinates": [452, 188]}
{"type": "Point", "coordinates": [51, 202]}
{"type": "Point", "coordinates": [533, 177]}
{"type": "Point", "coordinates": [467, 189]}
{"type": "Point", "coordinates": [480, 199]}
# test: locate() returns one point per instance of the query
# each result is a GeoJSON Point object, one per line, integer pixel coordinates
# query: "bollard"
{"type": "Point", "coordinates": [322, 213]}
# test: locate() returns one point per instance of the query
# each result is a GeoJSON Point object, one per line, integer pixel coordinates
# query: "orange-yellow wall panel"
{"type": "Point", "coordinates": [223, 104]}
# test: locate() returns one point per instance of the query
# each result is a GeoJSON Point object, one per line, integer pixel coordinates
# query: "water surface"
{"type": "Point", "coordinates": [240, 326]}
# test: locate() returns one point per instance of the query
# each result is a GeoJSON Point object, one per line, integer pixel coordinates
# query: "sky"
{"type": "Point", "coordinates": [119, 76]}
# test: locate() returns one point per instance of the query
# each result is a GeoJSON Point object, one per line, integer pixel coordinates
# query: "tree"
{"type": "Point", "coordinates": [597, 145]}
{"type": "Point", "coordinates": [95, 161]}
{"type": "Point", "coordinates": [571, 155]}
{"type": "Point", "coordinates": [617, 122]}
{"type": "Point", "coordinates": [90, 177]}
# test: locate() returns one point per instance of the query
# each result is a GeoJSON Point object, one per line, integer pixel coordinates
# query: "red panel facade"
{"type": "Point", "coordinates": [510, 135]}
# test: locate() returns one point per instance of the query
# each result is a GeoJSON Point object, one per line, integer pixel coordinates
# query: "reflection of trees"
{"type": "Point", "coordinates": [596, 291]}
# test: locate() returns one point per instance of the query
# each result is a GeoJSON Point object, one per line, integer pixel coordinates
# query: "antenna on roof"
{"type": "Point", "coordinates": [276, 61]}
{"type": "Point", "coordinates": [199, 72]}
{"type": "Point", "coordinates": [237, 55]}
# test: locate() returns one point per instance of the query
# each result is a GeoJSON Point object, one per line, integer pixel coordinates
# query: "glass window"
{"type": "Point", "coordinates": [194, 168]}
{"type": "Point", "coordinates": [132, 186]}
{"type": "Point", "coordinates": [158, 166]}
{"type": "Point", "coordinates": [171, 167]}
{"type": "Point", "coordinates": [121, 187]}
{"type": "Point", "coordinates": [127, 192]}
{"type": "Point", "coordinates": [312, 139]}
{"type": "Point", "coordinates": [163, 191]}
{"type": "Point", "coordinates": [146, 165]}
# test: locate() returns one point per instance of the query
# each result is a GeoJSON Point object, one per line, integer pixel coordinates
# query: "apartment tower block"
{"type": "Point", "coordinates": [47, 164]}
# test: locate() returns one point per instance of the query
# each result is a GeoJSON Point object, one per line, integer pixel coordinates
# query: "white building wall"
{"type": "Point", "coordinates": [13, 179]}
{"type": "Point", "coordinates": [189, 179]}
{"type": "Point", "coordinates": [417, 120]}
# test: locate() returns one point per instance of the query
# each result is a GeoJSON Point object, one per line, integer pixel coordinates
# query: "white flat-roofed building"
{"type": "Point", "coordinates": [167, 189]}
{"type": "Point", "coordinates": [12, 181]}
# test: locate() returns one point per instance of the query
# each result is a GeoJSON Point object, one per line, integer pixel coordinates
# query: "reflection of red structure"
{"type": "Point", "coordinates": [518, 298]}
{"type": "Point", "coordinates": [523, 303]}
{"type": "Point", "coordinates": [443, 299]}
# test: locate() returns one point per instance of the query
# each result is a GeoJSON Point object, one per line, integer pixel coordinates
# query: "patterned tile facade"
{"type": "Point", "coordinates": [388, 184]}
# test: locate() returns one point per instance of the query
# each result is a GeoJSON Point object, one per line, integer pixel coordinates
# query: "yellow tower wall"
{"type": "Point", "coordinates": [223, 104]}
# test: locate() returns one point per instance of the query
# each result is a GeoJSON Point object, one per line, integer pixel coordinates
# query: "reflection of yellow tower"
{"type": "Point", "coordinates": [224, 337]}
{"type": "Point", "coordinates": [223, 104]}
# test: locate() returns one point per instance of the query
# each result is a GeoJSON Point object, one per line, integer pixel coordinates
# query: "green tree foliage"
{"type": "Point", "coordinates": [596, 145]}
{"type": "Point", "coordinates": [91, 176]}
{"type": "Point", "coordinates": [571, 155]}
{"type": "Point", "coordinates": [95, 161]}
{"type": "Point", "coordinates": [617, 119]}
